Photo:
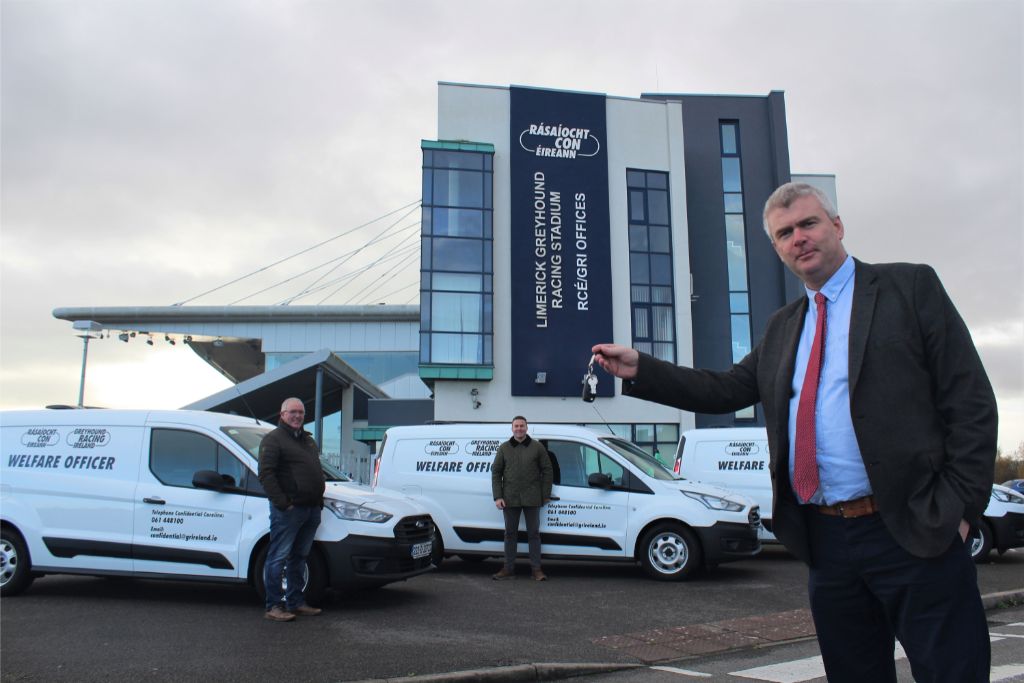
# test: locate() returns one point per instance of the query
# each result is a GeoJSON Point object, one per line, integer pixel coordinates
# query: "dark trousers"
{"type": "Point", "coordinates": [866, 590]}
{"type": "Point", "coordinates": [532, 515]}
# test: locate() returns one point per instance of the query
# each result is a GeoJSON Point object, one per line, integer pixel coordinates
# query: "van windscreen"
{"type": "Point", "coordinates": [248, 438]}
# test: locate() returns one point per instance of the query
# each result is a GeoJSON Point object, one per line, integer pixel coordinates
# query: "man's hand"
{"type": "Point", "coordinates": [620, 361]}
{"type": "Point", "coordinates": [499, 503]}
{"type": "Point", "coordinates": [965, 529]}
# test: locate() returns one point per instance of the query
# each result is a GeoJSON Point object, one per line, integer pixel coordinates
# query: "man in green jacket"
{"type": "Point", "coordinates": [521, 478]}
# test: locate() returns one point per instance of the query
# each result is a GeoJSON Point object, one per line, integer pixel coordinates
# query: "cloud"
{"type": "Point", "coordinates": [154, 150]}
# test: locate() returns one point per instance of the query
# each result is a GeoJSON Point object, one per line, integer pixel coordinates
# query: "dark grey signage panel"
{"type": "Point", "coordinates": [560, 241]}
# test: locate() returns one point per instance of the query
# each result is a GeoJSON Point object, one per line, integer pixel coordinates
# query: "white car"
{"type": "Point", "coordinates": [1002, 526]}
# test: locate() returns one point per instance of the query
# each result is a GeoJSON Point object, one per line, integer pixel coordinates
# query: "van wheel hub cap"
{"type": "Point", "coordinates": [668, 553]}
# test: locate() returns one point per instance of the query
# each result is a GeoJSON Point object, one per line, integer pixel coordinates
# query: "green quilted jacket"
{"type": "Point", "coordinates": [521, 473]}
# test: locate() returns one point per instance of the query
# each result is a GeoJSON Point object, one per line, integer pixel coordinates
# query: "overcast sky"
{"type": "Point", "coordinates": [152, 150]}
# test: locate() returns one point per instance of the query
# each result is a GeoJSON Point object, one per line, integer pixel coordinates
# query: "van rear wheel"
{"type": "Point", "coordinates": [314, 577]}
{"type": "Point", "coordinates": [670, 552]}
{"type": "Point", "coordinates": [15, 565]}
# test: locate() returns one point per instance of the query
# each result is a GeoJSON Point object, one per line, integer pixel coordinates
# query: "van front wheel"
{"type": "Point", "coordinates": [15, 566]}
{"type": "Point", "coordinates": [314, 577]}
{"type": "Point", "coordinates": [670, 552]}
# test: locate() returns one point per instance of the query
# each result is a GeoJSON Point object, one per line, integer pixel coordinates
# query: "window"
{"type": "Point", "coordinates": [456, 270]}
{"type": "Point", "coordinates": [176, 455]}
{"type": "Point", "coordinates": [736, 245]}
{"type": "Point", "coordinates": [650, 264]}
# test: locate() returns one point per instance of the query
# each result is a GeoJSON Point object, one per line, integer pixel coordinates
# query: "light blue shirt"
{"type": "Point", "coordinates": [841, 472]}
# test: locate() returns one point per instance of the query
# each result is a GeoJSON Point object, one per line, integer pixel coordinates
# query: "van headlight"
{"type": "Point", "coordinates": [357, 513]}
{"type": "Point", "coordinates": [1007, 496]}
{"type": "Point", "coordinates": [714, 502]}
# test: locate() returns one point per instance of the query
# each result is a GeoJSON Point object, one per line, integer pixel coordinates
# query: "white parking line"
{"type": "Point", "coordinates": [1006, 672]}
{"type": "Point", "coordinates": [681, 672]}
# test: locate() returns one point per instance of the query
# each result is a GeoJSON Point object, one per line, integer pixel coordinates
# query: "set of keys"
{"type": "Point", "coordinates": [590, 382]}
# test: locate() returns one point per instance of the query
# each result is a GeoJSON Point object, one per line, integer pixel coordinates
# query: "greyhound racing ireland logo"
{"type": "Point", "coordinates": [560, 141]}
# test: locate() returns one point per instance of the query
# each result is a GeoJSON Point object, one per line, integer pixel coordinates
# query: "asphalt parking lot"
{"type": "Point", "coordinates": [455, 619]}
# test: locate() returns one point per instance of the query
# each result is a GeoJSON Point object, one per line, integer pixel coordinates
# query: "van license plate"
{"type": "Point", "coordinates": [422, 549]}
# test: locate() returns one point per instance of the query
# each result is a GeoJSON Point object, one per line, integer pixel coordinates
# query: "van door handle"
{"type": "Point", "coordinates": [154, 501]}
{"type": "Point", "coordinates": [554, 498]}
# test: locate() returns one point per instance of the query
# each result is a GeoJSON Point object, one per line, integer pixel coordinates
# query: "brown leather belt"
{"type": "Point", "coordinates": [858, 507]}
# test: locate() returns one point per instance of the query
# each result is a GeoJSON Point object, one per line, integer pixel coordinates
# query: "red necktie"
{"type": "Point", "coordinates": [805, 463]}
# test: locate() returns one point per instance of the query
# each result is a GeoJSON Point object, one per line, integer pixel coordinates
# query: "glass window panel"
{"type": "Point", "coordinates": [745, 414]}
{"type": "Point", "coordinates": [634, 178]}
{"type": "Point", "coordinates": [737, 269]}
{"type": "Point", "coordinates": [657, 207]}
{"type": "Point", "coordinates": [456, 348]}
{"type": "Point", "coordinates": [488, 283]}
{"type": "Point", "coordinates": [661, 295]}
{"type": "Point", "coordinates": [636, 205]}
{"type": "Point", "coordinates": [459, 282]}
{"type": "Point", "coordinates": [452, 159]}
{"type": "Point", "coordinates": [728, 138]}
{"type": "Point", "coordinates": [733, 203]}
{"type": "Point", "coordinates": [661, 239]}
{"type": "Point", "coordinates": [428, 157]}
{"type": "Point", "coordinates": [425, 224]}
{"type": "Point", "coordinates": [451, 253]}
{"type": "Point", "coordinates": [740, 337]}
{"type": "Point", "coordinates": [661, 269]}
{"type": "Point", "coordinates": [739, 303]}
{"type": "Point", "coordinates": [641, 323]}
{"type": "Point", "coordinates": [428, 181]}
{"type": "Point", "coordinates": [488, 265]}
{"type": "Point", "coordinates": [424, 310]}
{"type": "Point", "coordinates": [425, 253]}
{"type": "Point", "coordinates": [730, 175]}
{"type": "Point", "coordinates": [458, 188]}
{"type": "Point", "coordinates": [665, 351]}
{"type": "Point", "coordinates": [488, 190]}
{"type": "Point", "coordinates": [658, 181]}
{"type": "Point", "coordinates": [640, 294]}
{"type": "Point", "coordinates": [424, 347]}
{"type": "Point", "coordinates": [488, 162]}
{"type": "Point", "coordinates": [642, 347]}
{"type": "Point", "coordinates": [664, 329]}
{"type": "Point", "coordinates": [424, 280]}
{"type": "Point", "coordinates": [736, 252]}
{"type": "Point", "coordinates": [488, 221]}
{"type": "Point", "coordinates": [488, 313]}
{"type": "Point", "coordinates": [457, 312]}
{"type": "Point", "coordinates": [639, 268]}
{"type": "Point", "coordinates": [488, 350]}
{"type": "Point", "coordinates": [668, 432]}
{"type": "Point", "coordinates": [458, 222]}
{"type": "Point", "coordinates": [643, 433]}
{"type": "Point", "coordinates": [638, 238]}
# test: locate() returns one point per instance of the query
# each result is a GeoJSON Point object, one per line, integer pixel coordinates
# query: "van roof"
{"type": "Point", "coordinates": [125, 418]}
{"type": "Point", "coordinates": [502, 430]}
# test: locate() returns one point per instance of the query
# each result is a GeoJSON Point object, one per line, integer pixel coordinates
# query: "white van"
{"type": "Point", "coordinates": [174, 494]}
{"type": "Point", "coordinates": [734, 458]}
{"type": "Point", "coordinates": [610, 500]}
{"type": "Point", "coordinates": [737, 459]}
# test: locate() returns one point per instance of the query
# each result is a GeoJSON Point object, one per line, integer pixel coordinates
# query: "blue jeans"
{"type": "Point", "coordinates": [291, 539]}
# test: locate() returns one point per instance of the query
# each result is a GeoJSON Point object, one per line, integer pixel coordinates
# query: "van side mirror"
{"type": "Point", "coordinates": [215, 481]}
{"type": "Point", "coordinates": [599, 480]}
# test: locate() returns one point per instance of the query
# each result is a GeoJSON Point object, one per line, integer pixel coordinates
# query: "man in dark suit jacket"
{"type": "Point", "coordinates": [902, 448]}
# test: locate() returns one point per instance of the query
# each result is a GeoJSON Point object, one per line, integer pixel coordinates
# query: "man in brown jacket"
{"type": "Point", "coordinates": [521, 478]}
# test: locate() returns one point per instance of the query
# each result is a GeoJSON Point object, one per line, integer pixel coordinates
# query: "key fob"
{"type": "Point", "coordinates": [590, 383]}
